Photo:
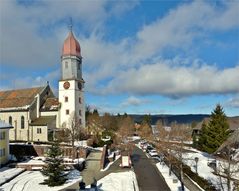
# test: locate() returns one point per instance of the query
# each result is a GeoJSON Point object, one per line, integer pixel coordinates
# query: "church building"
{"type": "Point", "coordinates": [35, 113]}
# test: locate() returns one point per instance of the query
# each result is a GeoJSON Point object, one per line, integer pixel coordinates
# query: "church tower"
{"type": "Point", "coordinates": [71, 84]}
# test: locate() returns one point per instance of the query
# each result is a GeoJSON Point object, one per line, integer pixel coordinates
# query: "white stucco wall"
{"type": "Point", "coordinates": [17, 133]}
{"type": "Point", "coordinates": [43, 136]}
{"type": "Point", "coordinates": [73, 105]}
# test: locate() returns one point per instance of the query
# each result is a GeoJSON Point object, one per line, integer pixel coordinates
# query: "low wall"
{"type": "Point", "coordinates": [40, 150]}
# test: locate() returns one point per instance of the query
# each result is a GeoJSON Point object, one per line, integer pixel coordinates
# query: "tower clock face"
{"type": "Point", "coordinates": [66, 85]}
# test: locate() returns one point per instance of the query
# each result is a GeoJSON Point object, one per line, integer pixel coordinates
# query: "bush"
{"type": "Point", "coordinates": [200, 181]}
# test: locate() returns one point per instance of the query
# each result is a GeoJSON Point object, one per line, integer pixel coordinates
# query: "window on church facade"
{"type": "Point", "coordinates": [22, 122]}
{"type": "Point", "coordinates": [79, 112]}
{"type": "Point", "coordinates": [67, 111]}
{"type": "Point", "coordinates": [66, 99]}
{"type": "Point", "coordinates": [80, 121]}
{"type": "Point", "coordinates": [10, 120]}
{"type": "Point", "coordinates": [66, 64]}
{"type": "Point", "coordinates": [38, 130]}
{"type": "Point", "coordinates": [79, 100]}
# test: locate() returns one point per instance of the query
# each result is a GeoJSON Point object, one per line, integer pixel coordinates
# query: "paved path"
{"type": "Point", "coordinates": [148, 176]}
{"type": "Point", "coordinates": [92, 167]}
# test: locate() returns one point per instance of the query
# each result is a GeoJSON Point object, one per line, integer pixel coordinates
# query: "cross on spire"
{"type": "Point", "coordinates": [70, 24]}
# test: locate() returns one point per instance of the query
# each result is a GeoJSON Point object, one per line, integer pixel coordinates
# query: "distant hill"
{"type": "Point", "coordinates": [167, 119]}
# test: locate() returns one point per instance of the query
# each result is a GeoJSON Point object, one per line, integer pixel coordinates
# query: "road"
{"type": "Point", "coordinates": [148, 176]}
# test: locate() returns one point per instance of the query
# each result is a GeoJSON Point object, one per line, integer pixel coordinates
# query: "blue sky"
{"type": "Point", "coordinates": [158, 57]}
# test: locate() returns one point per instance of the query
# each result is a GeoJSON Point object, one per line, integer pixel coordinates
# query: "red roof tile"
{"type": "Point", "coordinates": [18, 98]}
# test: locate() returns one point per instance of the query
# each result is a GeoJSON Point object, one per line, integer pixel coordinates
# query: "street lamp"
{"type": "Point", "coordinates": [196, 160]}
{"type": "Point", "coordinates": [78, 158]}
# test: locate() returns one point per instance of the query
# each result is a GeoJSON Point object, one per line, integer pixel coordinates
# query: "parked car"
{"type": "Point", "coordinates": [212, 164]}
{"type": "Point", "coordinates": [149, 148]}
{"type": "Point", "coordinates": [153, 153]}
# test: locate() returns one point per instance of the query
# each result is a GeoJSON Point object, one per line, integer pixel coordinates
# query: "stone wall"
{"type": "Point", "coordinates": [40, 150]}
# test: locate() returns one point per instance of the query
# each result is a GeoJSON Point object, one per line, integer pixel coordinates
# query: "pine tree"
{"type": "Point", "coordinates": [54, 168]}
{"type": "Point", "coordinates": [216, 131]}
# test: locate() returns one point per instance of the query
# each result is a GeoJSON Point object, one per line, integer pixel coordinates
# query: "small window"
{"type": "Point", "coordinates": [66, 99]}
{"type": "Point", "coordinates": [79, 112]}
{"type": "Point", "coordinates": [10, 120]}
{"type": "Point", "coordinates": [66, 64]}
{"type": "Point", "coordinates": [67, 111]}
{"type": "Point", "coordinates": [22, 122]}
{"type": "Point", "coordinates": [79, 100]}
{"type": "Point", "coordinates": [2, 152]}
{"type": "Point", "coordinates": [38, 130]}
{"type": "Point", "coordinates": [2, 135]}
{"type": "Point", "coordinates": [80, 121]}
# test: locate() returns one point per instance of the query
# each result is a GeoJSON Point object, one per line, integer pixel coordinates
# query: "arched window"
{"type": "Point", "coordinates": [10, 120]}
{"type": "Point", "coordinates": [22, 122]}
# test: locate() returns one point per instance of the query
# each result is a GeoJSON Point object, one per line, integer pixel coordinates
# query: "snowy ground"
{"type": "Point", "coordinates": [119, 181]}
{"type": "Point", "coordinates": [8, 173]}
{"type": "Point", "coordinates": [30, 180]}
{"type": "Point", "coordinates": [164, 170]}
{"type": "Point", "coordinates": [203, 169]}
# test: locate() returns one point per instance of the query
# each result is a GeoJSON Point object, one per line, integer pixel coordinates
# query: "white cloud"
{"type": "Point", "coordinates": [176, 80]}
{"type": "Point", "coordinates": [29, 81]}
{"type": "Point", "coordinates": [233, 102]}
{"type": "Point", "coordinates": [181, 26]}
{"type": "Point", "coordinates": [133, 101]}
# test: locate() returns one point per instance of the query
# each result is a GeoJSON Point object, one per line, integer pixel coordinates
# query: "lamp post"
{"type": "Point", "coordinates": [78, 158]}
{"type": "Point", "coordinates": [196, 160]}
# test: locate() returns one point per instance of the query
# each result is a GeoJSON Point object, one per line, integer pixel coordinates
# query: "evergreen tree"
{"type": "Point", "coordinates": [54, 169]}
{"type": "Point", "coordinates": [215, 132]}
{"type": "Point", "coordinates": [147, 120]}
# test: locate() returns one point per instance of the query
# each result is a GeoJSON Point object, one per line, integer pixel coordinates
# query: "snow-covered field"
{"type": "Point", "coordinates": [122, 181]}
{"type": "Point", "coordinates": [164, 170]}
{"type": "Point", "coordinates": [203, 169]}
{"type": "Point", "coordinates": [30, 180]}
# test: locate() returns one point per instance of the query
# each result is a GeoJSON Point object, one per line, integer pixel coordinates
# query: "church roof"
{"type": "Point", "coordinates": [43, 120]}
{"type": "Point", "coordinates": [71, 46]}
{"type": "Point", "coordinates": [51, 104]}
{"type": "Point", "coordinates": [21, 98]}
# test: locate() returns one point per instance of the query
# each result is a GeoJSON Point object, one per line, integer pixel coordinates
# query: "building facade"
{"type": "Point", "coordinates": [4, 142]}
{"type": "Point", "coordinates": [35, 113]}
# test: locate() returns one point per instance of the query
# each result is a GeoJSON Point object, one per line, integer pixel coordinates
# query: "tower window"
{"type": "Point", "coordinates": [67, 111]}
{"type": "Point", "coordinates": [38, 130]}
{"type": "Point", "coordinates": [22, 122]}
{"type": "Point", "coordinates": [79, 100]}
{"type": "Point", "coordinates": [66, 99]}
{"type": "Point", "coordinates": [10, 120]}
{"type": "Point", "coordinates": [80, 121]}
{"type": "Point", "coordinates": [66, 64]}
{"type": "Point", "coordinates": [79, 112]}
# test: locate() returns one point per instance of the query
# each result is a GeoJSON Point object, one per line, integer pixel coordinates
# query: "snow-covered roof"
{"type": "Point", "coordinates": [4, 125]}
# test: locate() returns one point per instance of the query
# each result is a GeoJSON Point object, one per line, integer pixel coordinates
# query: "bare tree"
{"type": "Point", "coordinates": [126, 127]}
{"type": "Point", "coordinates": [171, 142]}
{"type": "Point", "coordinates": [228, 168]}
{"type": "Point", "coordinates": [94, 126]}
